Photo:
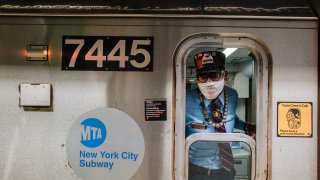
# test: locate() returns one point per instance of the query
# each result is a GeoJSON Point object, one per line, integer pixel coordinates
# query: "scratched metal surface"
{"type": "Point", "coordinates": [218, 7]}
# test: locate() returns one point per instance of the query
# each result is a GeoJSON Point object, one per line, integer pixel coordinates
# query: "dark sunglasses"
{"type": "Point", "coordinates": [214, 76]}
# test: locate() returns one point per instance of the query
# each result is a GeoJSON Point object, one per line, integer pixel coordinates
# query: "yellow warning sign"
{"type": "Point", "coordinates": [295, 119]}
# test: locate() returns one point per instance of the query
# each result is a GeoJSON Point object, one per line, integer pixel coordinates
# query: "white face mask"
{"type": "Point", "coordinates": [211, 89]}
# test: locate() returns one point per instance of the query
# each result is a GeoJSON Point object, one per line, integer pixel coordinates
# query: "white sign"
{"type": "Point", "coordinates": [105, 143]}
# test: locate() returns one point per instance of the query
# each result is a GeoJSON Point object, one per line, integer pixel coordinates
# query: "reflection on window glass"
{"type": "Point", "coordinates": [219, 160]}
{"type": "Point", "coordinates": [218, 92]}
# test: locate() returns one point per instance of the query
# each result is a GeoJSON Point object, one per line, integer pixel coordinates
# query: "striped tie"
{"type": "Point", "coordinates": [225, 149]}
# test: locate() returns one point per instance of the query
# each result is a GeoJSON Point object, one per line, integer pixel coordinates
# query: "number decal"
{"type": "Point", "coordinates": [122, 58]}
{"type": "Point", "coordinates": [98, 46]}
{"type": "Point", "coordinates": [75, 54]}
{"type": "Point", "coordinates": [135, 51]}
{"type": "Point", "coordinates": [107, 53]}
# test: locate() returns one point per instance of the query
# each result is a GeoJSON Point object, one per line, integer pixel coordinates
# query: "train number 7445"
{"type": "Point", "coordinates": [107, 53]}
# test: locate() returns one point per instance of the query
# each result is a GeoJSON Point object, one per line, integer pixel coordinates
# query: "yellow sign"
{"type": "Point", "coordinates": [295, 119]}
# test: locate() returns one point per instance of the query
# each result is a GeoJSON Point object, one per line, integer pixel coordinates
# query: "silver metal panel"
{"type": "Point", "coordinates": [33, 143]}
{"type": "Point", "coordinates": [295, 80]}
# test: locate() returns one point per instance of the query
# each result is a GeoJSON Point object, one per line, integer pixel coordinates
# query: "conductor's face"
{"type": "Point", "coordinates": [211, 84]}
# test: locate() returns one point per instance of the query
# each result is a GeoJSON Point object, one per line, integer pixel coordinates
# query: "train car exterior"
{"type": "Point", "coordinates": [144, 92]}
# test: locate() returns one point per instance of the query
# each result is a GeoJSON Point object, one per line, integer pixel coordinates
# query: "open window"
{"type": "Point", "coordinates": [239, 69]}
{"type": "Point", "coordinates": [246, 73]}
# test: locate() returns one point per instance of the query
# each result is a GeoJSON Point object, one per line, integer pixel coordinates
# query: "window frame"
{"type": "Point", "coordinates": [262, 112]}
{"type": "Point", "coordinates": [221, 137]}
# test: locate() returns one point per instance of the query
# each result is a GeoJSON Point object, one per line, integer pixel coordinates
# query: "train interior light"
{"type": "Point", "coordinates": [229, 51]}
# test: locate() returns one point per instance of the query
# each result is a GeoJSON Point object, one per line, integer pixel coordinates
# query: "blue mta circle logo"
{"type": "Point", "coordinates": [93, 132]}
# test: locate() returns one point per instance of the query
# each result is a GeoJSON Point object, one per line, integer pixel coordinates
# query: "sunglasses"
{"type": "Point", "coordinates": [214, 76]}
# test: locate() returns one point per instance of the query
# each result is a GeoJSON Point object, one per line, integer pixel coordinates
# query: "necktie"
{"type": "Point", "coordinates": [225, 149]}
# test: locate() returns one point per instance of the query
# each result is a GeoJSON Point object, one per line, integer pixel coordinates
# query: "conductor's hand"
{"type": "Point", "coordinates": [250, 129]}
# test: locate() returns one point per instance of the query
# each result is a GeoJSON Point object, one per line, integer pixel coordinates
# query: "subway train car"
{"type": "Point", "coordinates": [97, 90]}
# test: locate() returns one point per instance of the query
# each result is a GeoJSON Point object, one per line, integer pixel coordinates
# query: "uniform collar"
{"type": "Point", "coordinates": [221, 99]}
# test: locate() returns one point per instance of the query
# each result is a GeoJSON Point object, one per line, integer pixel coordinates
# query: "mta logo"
{"type": "Point", "coordinates": [93, 132]}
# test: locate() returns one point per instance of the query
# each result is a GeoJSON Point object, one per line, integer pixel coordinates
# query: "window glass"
{"type": "Point", "coordinates": [216, 167]}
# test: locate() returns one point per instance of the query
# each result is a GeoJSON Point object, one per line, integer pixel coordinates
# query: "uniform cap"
{"type": "Point", "coordinates": [209, 61]}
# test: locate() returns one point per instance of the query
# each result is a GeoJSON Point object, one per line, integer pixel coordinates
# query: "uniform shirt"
{"type": "Point", "coordinates": [205, 153]}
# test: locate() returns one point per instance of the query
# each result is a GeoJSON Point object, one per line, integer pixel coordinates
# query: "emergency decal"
{"type": "Point", "coordinates": [295, 119]}
{"type": "Point", "coordinates": [103, 143]}
{"type": "Point", "coordinates": [155, 109]}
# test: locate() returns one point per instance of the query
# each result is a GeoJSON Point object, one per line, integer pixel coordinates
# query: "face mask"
{"type": "Point", "coordinates": [211, 89]}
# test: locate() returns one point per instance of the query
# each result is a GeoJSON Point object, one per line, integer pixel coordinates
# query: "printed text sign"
{"type": "Point", "coordinates": [295, 119]}
{"type": "Point", "coordinates": [103, 144]}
